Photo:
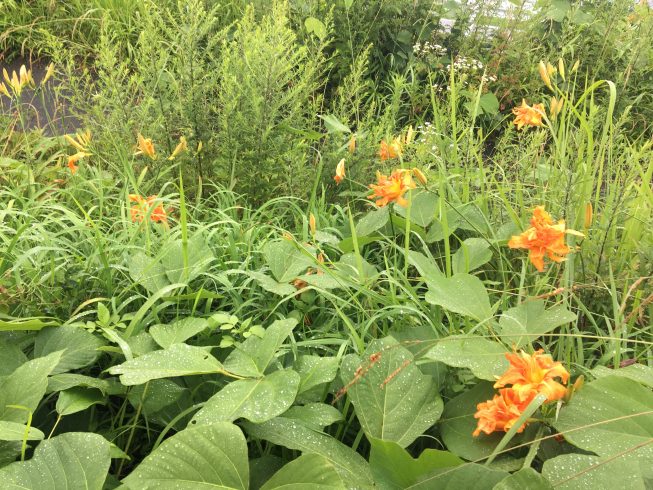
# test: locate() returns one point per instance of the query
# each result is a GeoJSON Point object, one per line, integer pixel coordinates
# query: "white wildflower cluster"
{"type": "Point", "coordinates": [461, 63]}
{"type": "Point", "coordinates": [488, 78]}
{"type": "Point", "coordinates": [426, 133]}
{"type": "Point", "coordinates": [422, 50]}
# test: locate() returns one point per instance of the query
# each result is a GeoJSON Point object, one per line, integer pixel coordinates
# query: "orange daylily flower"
{"type": "Point", "coordinates": [388, 151]}
{"type": "Point", "coordinates": [143, 206]}
{"type": "Point", "coordinates": [533, 374]}
{"type": "Point", "coordinates": [393, 188]}
{"type": "Point", "coordinates": [145, 147]}
{"type": "Point", "coordinates": [543, 238]}
{"type": "Point", "coordinates": [340, 172]}
{"type": "Point", "coordinates": [73, 159]}
{"type": "Point", "coordinates": [527, 115]}
{"type": "Point", "coordinates": [501, 412]}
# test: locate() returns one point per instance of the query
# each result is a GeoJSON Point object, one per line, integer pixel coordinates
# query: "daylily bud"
{"type": "Point", "coordinates": [575, 67]}
{"type": "Point", "coordinates": [544, 75]}
{"type": "Point", "coordinates": [561, 68]}
{"type": "Point", "coordinates": [3, 90]}
{"type": "Point", "coordinates": [556, 107]}
{"type": "Point", "coordinates": [588, 215]}
{"type": "Point", "coordinates": [409, 135]}
{"type": "Point", "coordinates": [183, 144]}
{"type": "Point", "coordinates": [351, 146]}
{"type": "Point", "coordinates": [419, 175]}
{"type": "Point", "coordinates": [578, 384]}
{"type": "Point", "coordinates": [48, 73]}
{"type": "Point", "coordinates": [550, 68]}
{"type": "Point", "coordinates": [311, 224]}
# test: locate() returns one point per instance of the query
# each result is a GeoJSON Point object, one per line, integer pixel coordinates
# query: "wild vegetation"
{"type": "Point", "coordinates": [306, 244]}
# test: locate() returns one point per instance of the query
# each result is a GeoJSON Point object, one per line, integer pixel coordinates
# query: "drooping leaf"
{"type": "Point", "coordinates": [460, 293]}
{"type": "Point", "coordinates": [12, 357]}
{"type": "Point", "coordinates": [256, 400]}
{"type": "Point", "coordinates": [271, 285]}
{"type": "Point", "coordinates": [308, 472]}
{"type": "Point", "coordinates": [526, 478]}
{"type": "Point", "coordinates": [609, 416]}
{"type": "Point", "coordinates": [524, 323]}
{"type": "Point", "coordinates": [200, 257]}
{"type": "Point", "coordinates": [350, 465]}
{"type": "Point", "coordinates": [315, 371]}
{"type": "Point", "coordinates": [212, 456]}
{"type": "Point", "coordinates": [178, 360]}
{"type": "Point", "coordinates": [255, 354]}
{"type": "Point", "coordinates": [25, 387]}
{"type": "Point", "coordinates": [162, 402]}
{"type": "Point", "coordinates": [148, 272]}
{"type": "Point", "coordinates": [64, 381]}
{"type": "Point", "coordinates": [637, 372]}
{"type": "Point", "coordinates": [80, 347]}
{"type": "Point", "coordinates": [285, 260]}
{"type": "Point", "coordinates": [423, 208]}
{"type": "Point", "coordinates": [77, 399]}
{"type": "Point", "coordinates": [372, 221]}
{"type": "Point", "coordinates": [472, 254]}
{"type": "Point", "coordinates": [426, 267]}
{"type": "Point", "coordinates": [484, 358]}
{"type": "Point", "coordinates": [71, 460]}
{"type": "Point", "coordinates": [314, 415]}
{"type": "Point", "coordinates": [177, 331]}
{"type": "Point", "coordinates": [574, 471]}
{"type": "Point", "coordinates": [13, 431]}
{"type": "Point", "coordinates": [394, 401]}
{"type": "Point", "coordinates": [333, 125]}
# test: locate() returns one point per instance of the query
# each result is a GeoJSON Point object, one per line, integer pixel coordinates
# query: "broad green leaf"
{"type": "Point", "coordinates": [254, 355]}
{"type": "Point", "coordinates": [458, 423]}
{"type": "Point", "coordinates": [394, 468]}
{"type": "Point", "coordinates": [285, 260]}
{"type": "Point", "coordinates": [271, 285]}
{"type": "Point", "coordinates": [489, 104]}
{"type": "Point", "coordinates": [13, 431]}
{"type": "Point", "coordinates": [70, 461]}
{"type": "Point", "coordinates": [484, 358]}
{"type": "Point", "coordinates": [394, 401]}
{"type": "Point", "coordinates": [177, 331]}
{"type": "Point", "coordinates": [262, 469]}
{"type": "Point", "coordinates": [524, 323]}
{"type": "Point", "coordinates": [460, 293]}
{"type": "Point", "coordinates": [350, 465]}
{"type": "Point", "coordinates": [17, 324]}
{"type": "Point", "coordinates": [26, 386]}
{"type": "Point", "coordinates": [208, 457]}
{"type": "Point", "coordinates": [148, 272]}
{"type": "Point", "coordinates": [77, 399]}
{"type": "Point", "coordinates": [308, 472]}
{"type": "Point", "coordinates": [12, 357]}
{"type": "Point", "coordinates": [333, 125]}
{"type": "Point", "coordinates": [372, 221]}
{"type": "Point", "coordinates": [178, 360]}
{"type": "Point", "coordinates": [423, 208]}
{"type": "Point", "coordinates": [637, 372]}
{"type": "Point", "coordinates": [618, 415]}
{"type": "Point", "coordinates": [472, 254]}
{"type": "Point", "coordinates": [576, 471]}
{"type": "Point", "coordinates": [426, 267]}
{"type": "Point", "coordinates": [314, 415]}
{"type": "Point", "coordinates": [256, 400]}
{"type": "Point", "coordinates": [162, 402]}
{"type": "Point", "coordinates": [526, 478]}
{"type": "Point", "coordinates": [64, 381]}
{"type": "Point", "coordinates": [315, 371]}
{"type": "Point", "coordinates": [200, 257]}
{"type": "Point", "coordinates": [315, 26]}
{"type": "Point", "coordinates": [80, 347]}
{"type": "Point", "coordinates": [348, 265]}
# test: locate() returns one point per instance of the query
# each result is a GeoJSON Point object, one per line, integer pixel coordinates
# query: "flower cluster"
{"type": "Point", "coordinates": [17, 81]}
{"type": "Point", "coordinates": [428, 49]}
{"type": "Point", "coordinates": [80, 142]}
{"type": "Point", "coordinates": [526, 115]}
{"type": "Point", "coordinates": [529, 375]}
{"type": "Point", "coordinates": [463, 64]}
{"type": "Point", "coordinates": [544, 238]}
{"type": "Point", "coordinates": [147, 206]}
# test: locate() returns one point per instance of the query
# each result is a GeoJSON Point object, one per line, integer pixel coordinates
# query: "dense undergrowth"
{"type": "Point", "coordinates": [199, 288]}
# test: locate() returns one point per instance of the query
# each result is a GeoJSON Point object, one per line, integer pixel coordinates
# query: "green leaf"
{"type": "Point", "coordinates": [162, 402]}
{"type": "Point", "coordinates": [394, 468]}
{"type": "Point", "coordinates": [372, 221]}
{"type": "Point", "coordinates": [256, 400]}
{"type": "Point", "coordinates": [472, 254]}
{"type": "Point", "coordinates": [178, 331]}
{"type": "Point", "coordinates": [148, 272]}
{"type": "Point", "coordinates": [315, 26]}
{"type": "Point", "coordinates": [526, 478]}
{"type": "Point", "coordinates": [423, 208]}
{"type": "Point", "coordinates": [460, 293]}
{"type": "Point", "coordinates": [272, 286]}
{"type": "Point", "coordinates": [18, 324]}
{"type": "Point", "coordinates": [254, 355]}
{"type": "Point", "coordinates": [308, 472]}
{"type": "Point", "coordinates": [522, 324]}
{"type": "Point", "coordinates": [285, 260]}
{"type": "Point", "coordinates": [558, 10]}
{"type": "Point", "coordinates": [637, 372]}
{"type": "Point", "coordinates": [200, 257]}
{"type": "Point", "coordinates": [350, 465]}
{"type": "Point", "coordinates": [78, 345]}
{"type": "Point", "coordinates": [333, 125]}
{"type": "Point", "coordinates": [458, 423]}
{"type": "Point", "coordinates": [69, 461]}
{"type": "Point", "coordinates": [315, 371]}
{"type": "Point", "coordinates": [484, 358]}
{"type": "Point", "coordinates": [489, 104]}
{"type": "Point", "coordinates": [77, 399]}
{"type": "Point", "coordinates": [26, 386]}
{"type": "Point", "coordinates": [64, 381]}
{"type": "Point", "coordinates": [178, 360]}
{"type": "Point", "coordinates": [626, 402]}
{"type": "Point", "coordinates": [212, 456]}
{"type": "Point", "coordinates": [314, 415]}
{"type": "Point", "coordinates": [427, 267]}
{"type": "Point", "coordinates": [13, 431]}
{"type": "Point", "coordinates": [12, 357]}
{"type": "Point", "coordinates": [574, 471]}
{"type": "Point", "coordinates": [394, 401]}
